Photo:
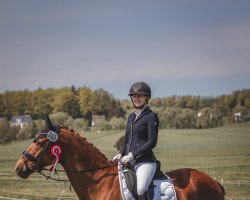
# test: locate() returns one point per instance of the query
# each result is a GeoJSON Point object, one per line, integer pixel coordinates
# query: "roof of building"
{"type": "Point", "coordinates": [21, 118]}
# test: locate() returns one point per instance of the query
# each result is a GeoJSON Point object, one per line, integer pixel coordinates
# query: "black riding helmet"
{"type": "Point", "coordinates": [140, 88]}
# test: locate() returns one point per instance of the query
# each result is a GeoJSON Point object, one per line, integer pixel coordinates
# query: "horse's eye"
{"type": "Point", "coordinates": [40, 144]}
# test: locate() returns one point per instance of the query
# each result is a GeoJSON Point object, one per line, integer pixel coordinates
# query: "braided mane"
{"type": "Point", "coordinates": [92, 150]}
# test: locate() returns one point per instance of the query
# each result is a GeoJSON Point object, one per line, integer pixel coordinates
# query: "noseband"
{"type": "Point", "coordinates": [52, 139]}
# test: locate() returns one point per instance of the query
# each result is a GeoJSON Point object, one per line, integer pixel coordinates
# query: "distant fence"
{"type": "Point", "coordinates": [5, 175]}
{"type": "Point", "coordinates": [234, 182]}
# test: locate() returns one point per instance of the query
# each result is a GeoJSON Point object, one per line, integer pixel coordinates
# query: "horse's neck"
{"type": "Point", "coordinates": [80, 155]}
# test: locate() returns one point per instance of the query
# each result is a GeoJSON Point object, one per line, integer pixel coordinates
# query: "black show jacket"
{"type": "Point", "coordinates": [141, 136]}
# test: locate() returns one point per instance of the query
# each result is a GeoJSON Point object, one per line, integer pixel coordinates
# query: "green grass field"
{"type": "Point", "coordinates": [223, 153]}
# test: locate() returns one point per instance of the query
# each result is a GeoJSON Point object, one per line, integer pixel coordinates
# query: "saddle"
{"type": "Point", "coordinates": [160, 188]}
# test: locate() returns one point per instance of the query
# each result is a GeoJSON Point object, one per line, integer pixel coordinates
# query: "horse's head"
{"type": "Point", "coordinates": [41, 152]}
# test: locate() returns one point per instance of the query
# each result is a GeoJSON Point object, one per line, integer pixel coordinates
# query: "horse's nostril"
{"type": "Point", "coordinates": [17, 168]}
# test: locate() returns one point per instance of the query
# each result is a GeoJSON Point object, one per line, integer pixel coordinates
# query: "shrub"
{"type": "Point", "coordinates": [103, 124]}
{"type": "Point", "coordinates": [59, 118]}
{"type": "Point", "coordinates": [119, 143]}
{"type": "Point", "coordinates": [4, 132]}
{"type": "Point", "coordinates": [38, 126]}
{"type": "Point", "coordinates": [26, 132]}
{"type": "Point", "coordinates": [78, 124]}
{"type": "Point", "coordinates": [117, 123]}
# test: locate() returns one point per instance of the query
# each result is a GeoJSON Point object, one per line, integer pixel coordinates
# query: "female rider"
{"type": "Point", "coordinates": [140, 138]}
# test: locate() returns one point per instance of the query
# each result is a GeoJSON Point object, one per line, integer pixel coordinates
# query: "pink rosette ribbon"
{"type": "Point", "coordinates": [55, 151]}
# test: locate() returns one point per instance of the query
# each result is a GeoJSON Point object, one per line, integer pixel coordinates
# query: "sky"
{"type": "Point", "coordinates": [178, 47]}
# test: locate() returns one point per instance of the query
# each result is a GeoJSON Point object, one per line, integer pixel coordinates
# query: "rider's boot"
{"type": "Point", "coordinates": [144, 196]}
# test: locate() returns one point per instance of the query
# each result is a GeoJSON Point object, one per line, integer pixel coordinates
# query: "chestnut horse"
{"type": "Point", "coordinates": [93, 176]}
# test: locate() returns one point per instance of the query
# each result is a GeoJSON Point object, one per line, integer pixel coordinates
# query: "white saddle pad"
{"type": "Point", "coordinates": [163, 190]}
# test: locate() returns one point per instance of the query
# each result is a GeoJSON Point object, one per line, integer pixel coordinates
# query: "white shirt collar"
{"type": "Point", "coordinates": [139, 111]}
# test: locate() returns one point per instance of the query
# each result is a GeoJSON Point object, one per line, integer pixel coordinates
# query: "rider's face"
{"type": "Point", "coordinates": [139, 99]}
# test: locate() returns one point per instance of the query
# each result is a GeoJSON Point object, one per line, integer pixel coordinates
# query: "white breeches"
{"type": "Point", "coordinates": [144, 175]}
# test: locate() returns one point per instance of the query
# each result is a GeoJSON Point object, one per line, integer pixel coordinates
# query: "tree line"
{"type": "Point", "coordinates": [81, 102]}
{"type": "Point", "coordinates": [203, 112]}
{"type": "Point", "coordinates": [74, 107]}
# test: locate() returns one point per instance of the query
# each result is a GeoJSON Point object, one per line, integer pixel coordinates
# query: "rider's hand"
{"type": "Point", "coordinates": [127, 158]}
{"type": "Point", "coordinates": [117, 157]}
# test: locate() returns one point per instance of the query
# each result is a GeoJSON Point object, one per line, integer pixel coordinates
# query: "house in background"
{"type": "Point", "coordinates": [20, 120]}
{"type": "Point", "coordinates": [95, 118]}
{"type": "Point", "coordinates": [238, 117]}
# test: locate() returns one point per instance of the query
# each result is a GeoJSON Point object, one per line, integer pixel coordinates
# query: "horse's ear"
{"type": "Point", "coordinates": [48, 124]}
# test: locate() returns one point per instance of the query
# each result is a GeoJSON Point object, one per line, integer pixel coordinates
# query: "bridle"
{"type": "Point", "coordinates": [37, 160]}
{"type": "Point", "coordinates": [53, 137]}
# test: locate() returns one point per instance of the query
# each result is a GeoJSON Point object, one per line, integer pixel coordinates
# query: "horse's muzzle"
{"type": "Point", "coordinates": [22, 172]}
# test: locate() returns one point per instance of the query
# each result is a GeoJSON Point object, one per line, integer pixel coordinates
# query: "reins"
{"type": "Point", "coordinates": [49, 177]}
{"type": "Point", "coordinates": [73, 171]}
